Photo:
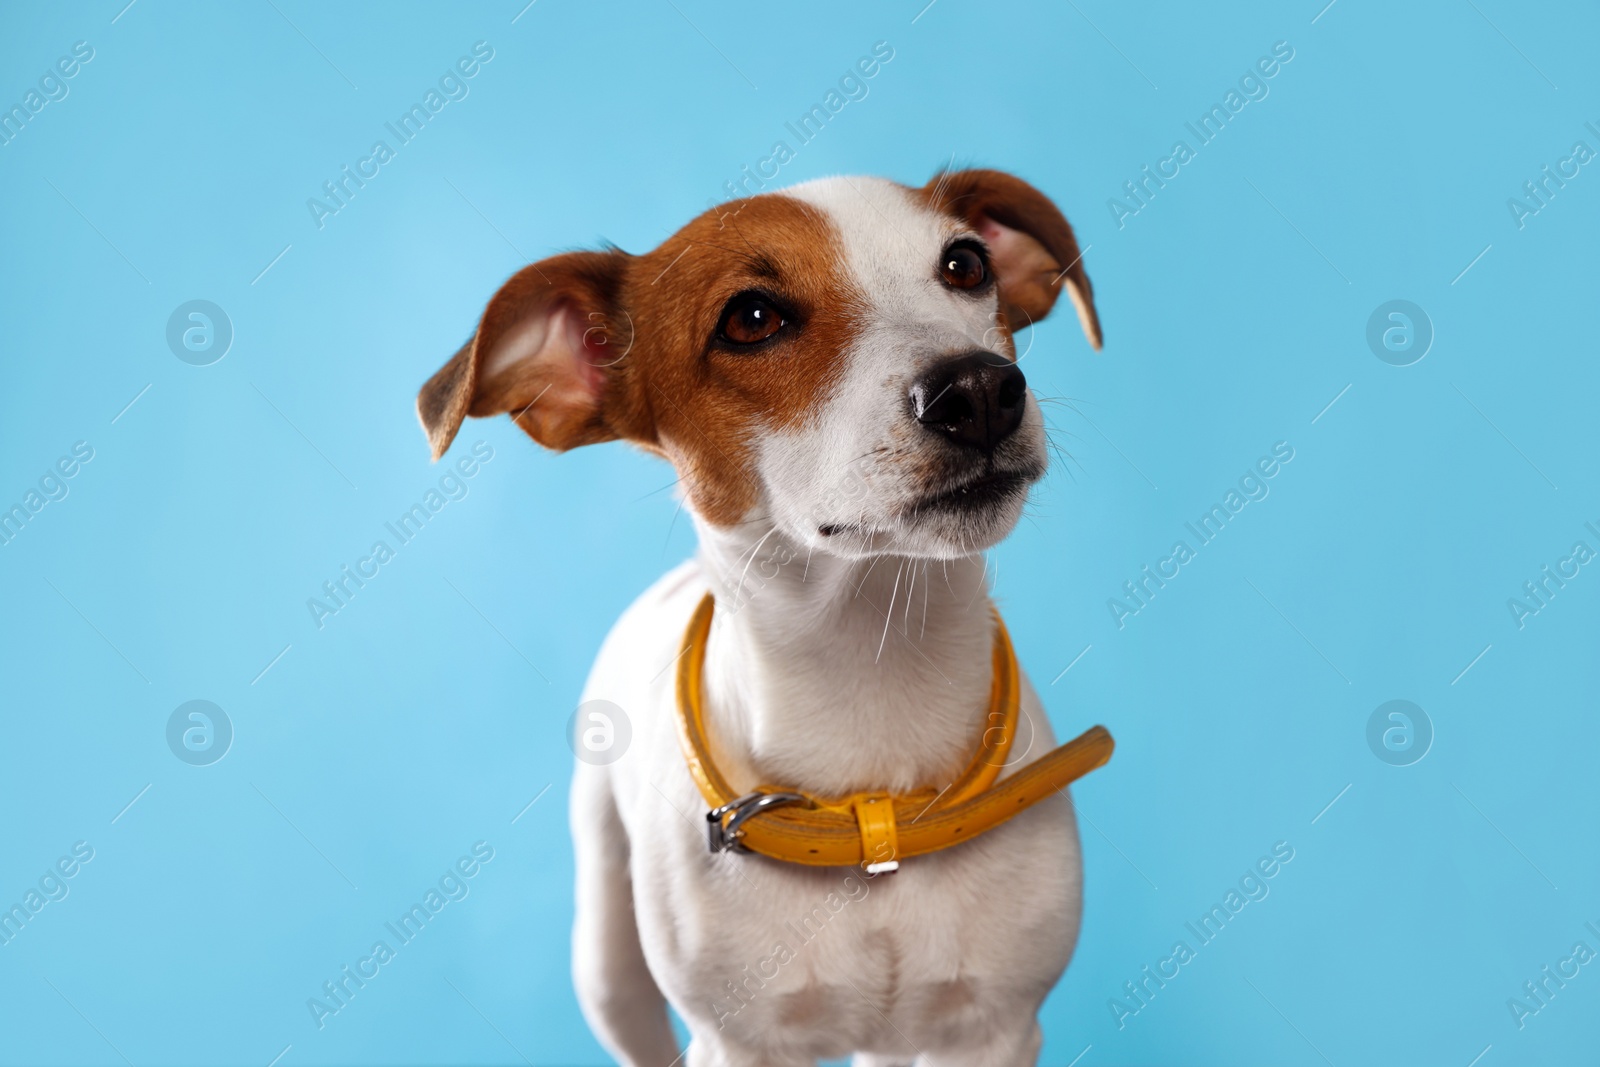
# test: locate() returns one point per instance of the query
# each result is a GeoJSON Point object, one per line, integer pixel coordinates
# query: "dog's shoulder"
{"type": "Point", "coordinates": [646, 636]}
{"type": "Point", "coordinates": [633, 672]}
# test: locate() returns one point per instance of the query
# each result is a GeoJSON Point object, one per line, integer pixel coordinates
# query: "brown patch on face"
{"type": "Point", "coordinates": [1031, 244]}
{"type": "Point", "coordinates": [699, 402]}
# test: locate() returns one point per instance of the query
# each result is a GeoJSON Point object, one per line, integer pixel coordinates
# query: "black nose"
{"type": "Point", "coordinates": [975, 400]}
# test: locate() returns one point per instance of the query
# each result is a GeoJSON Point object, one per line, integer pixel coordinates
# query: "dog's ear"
{"type": "Point", "coordinates": [544, 351]}
{"type": "Point", "coordinates": [1030, 242]}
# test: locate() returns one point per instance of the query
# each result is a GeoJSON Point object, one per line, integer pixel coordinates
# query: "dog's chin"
{"type": "Point", "coordinates": [947, 522]}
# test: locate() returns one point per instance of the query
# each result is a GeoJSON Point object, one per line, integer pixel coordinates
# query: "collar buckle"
{"type": "Point", "coordinates": [724, 837]}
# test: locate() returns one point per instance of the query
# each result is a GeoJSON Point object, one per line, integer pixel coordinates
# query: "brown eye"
{"type": "Point", "coordinates": [749, 319]}
{"type": "Point", "coordinates": [963, 266]}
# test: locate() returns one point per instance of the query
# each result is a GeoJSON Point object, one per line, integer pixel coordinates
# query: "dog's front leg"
{"type": "Point", "coordinates": [619, 996]}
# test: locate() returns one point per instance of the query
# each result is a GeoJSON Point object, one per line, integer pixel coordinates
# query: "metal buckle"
{"type": "Point", "coordinates": [725, 838]}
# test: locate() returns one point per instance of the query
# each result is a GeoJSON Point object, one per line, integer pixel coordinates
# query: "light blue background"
{"type": "Point", "coordinates": [427, 714]}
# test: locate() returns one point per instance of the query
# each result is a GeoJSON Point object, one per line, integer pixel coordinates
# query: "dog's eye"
{"type": "Point", "coordinates": [964, 266]}
{"type": "Point", "coordinates": [748, 319]}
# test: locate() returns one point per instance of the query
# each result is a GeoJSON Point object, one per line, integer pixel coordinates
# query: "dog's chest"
{"type": "Point", "coordinates": [767, 948]}
{"type": "Point", "coordinates": [785, 956]}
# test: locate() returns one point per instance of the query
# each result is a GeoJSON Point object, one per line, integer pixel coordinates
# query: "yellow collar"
{"type": "Point", "coordinates": [875, 829]}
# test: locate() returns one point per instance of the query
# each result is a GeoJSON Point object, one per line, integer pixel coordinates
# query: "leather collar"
{"type": "Point", "coordinates": [875, 829]}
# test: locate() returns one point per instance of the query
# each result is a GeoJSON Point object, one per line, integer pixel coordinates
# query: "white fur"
{"type": "Point", "coordinates": [836, 663]}
{"type": "Point", "coordinates": [891, 245]}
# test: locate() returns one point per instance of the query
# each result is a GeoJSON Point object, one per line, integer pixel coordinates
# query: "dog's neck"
{"type": "Point", "coordinates": [834, 675]}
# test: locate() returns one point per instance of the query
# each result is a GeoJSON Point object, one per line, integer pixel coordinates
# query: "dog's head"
{"type": "Point", "coordinates": [836, 357]}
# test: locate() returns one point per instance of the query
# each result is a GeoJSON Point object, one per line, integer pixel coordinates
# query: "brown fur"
{"type": "Point", "coordinates": [1033, 263]}
{"type": "Point", "coordinates": [645, 369]}
{"type": "Point", "coordinates": [627, 341]}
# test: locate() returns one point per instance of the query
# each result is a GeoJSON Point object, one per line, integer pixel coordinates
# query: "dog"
{"type": "Point", "coordinates": [831, 369]}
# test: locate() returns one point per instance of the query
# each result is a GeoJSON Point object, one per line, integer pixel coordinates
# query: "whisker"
{"type": "Point", "coordinates": [905, 623]}
{"type": "Point", "coordinates": [888, 616]}
{"type": "Point", "coordinates": [667, 540]}
{"type": "Point", "coordinates": [739, 589]}
{"type": "Point", "coordinates": [926, 589]}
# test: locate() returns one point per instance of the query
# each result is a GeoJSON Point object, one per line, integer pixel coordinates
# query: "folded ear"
{"type": "Point", "coordinates": [544, 351]}
{"type": "Point", "coordinates": [1030, 243]}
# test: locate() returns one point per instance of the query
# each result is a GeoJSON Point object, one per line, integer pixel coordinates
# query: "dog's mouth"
{"type": "Point", "coordinates": [984, 493]}
{"type": "Point", "coordinates": [973, 499]}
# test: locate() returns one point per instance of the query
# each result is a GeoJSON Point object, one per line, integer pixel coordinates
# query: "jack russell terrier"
{"type": "Point", "coordinates": [826, 693]}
